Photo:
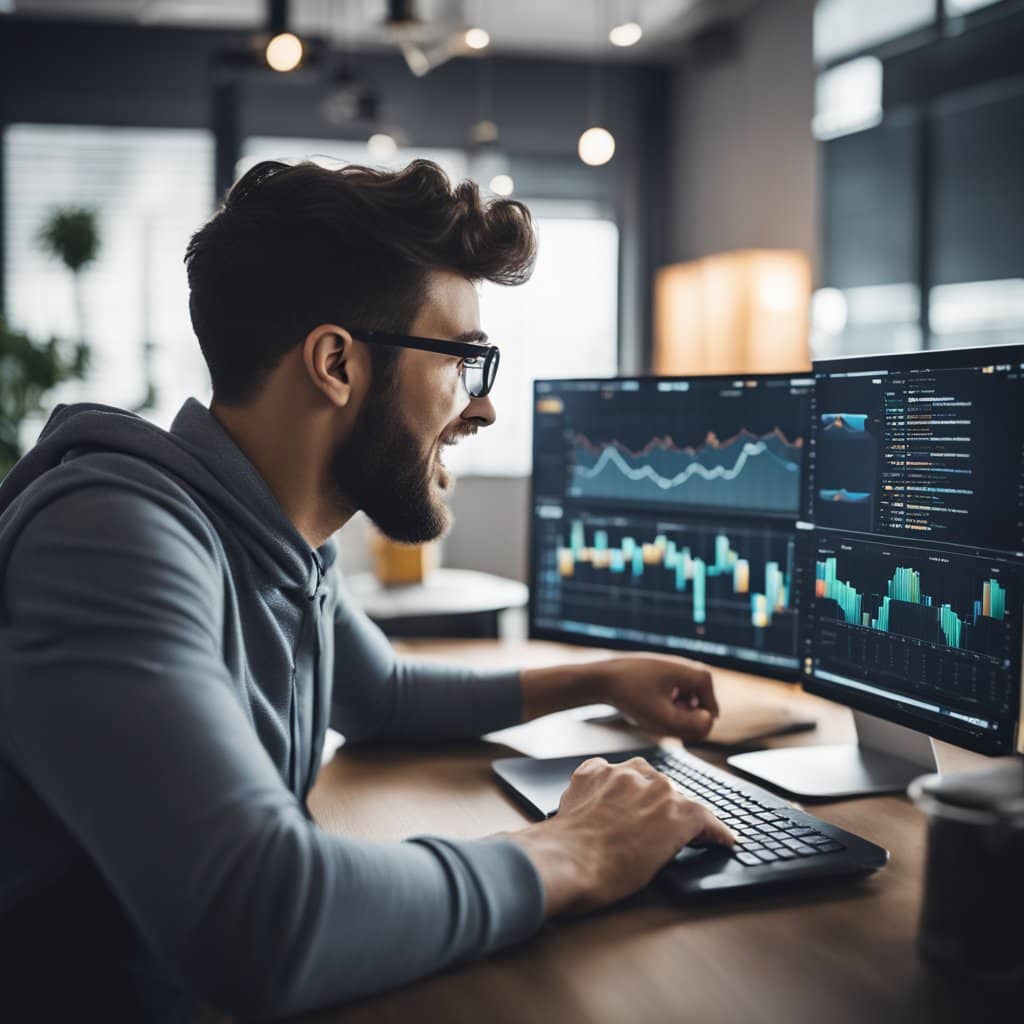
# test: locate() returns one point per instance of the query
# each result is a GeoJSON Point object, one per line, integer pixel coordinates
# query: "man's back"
{"type": "Point", "coordinates": [170, 641]}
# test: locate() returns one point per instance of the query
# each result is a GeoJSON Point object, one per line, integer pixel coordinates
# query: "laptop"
{"type": "Point", "coordinates": [776, 842]}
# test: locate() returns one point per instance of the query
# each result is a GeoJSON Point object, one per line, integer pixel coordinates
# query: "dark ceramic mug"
{"type": "Point", "coordinates": [972, 918]}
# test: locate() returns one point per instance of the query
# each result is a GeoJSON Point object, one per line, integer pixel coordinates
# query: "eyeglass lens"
{"type": "Point", "coordinates": [479, 375]}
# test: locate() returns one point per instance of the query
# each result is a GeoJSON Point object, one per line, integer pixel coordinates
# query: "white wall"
{"type": "Point", "coordinates": [491, 525]}
{"type": "Point", "coordinates": [490, 531]}
{"type": "Point", "coordinates": [743, 159]}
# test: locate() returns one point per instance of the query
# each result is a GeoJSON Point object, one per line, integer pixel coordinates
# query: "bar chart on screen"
{"type": "Point", "coordinates": [691, 581]}
{"type": "Point", "coordinates": [938, 625]}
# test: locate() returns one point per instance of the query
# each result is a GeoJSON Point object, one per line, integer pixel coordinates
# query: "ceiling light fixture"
{"type": "Point", "coordinates": [477, 38]}
{"type": "Point", "coordinates": [629, 33]}
{"type": "Point", "coordinates": [426, 46]}
{"type": "Point", "coordinates": [487, 161]}
{"type": "Point", "coordinates": [502, 185]}
{"type": "Point", "coordinates": [284, 52]}
{"type": "Point", "coordinates": [596, 146]}
{"type": "Point", "coordinates": [382, 146]}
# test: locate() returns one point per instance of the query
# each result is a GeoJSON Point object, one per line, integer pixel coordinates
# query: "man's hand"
{"type": "Point", "coordinates": [616, 826]}
{"type": "Point", "coordinates": [662, 694]}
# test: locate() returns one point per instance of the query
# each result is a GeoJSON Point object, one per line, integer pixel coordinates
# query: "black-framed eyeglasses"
{"type": "Point", "coordinates": [479, 362]}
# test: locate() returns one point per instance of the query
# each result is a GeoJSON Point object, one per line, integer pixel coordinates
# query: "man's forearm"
{"type": "Point", "coordinates": [546, 690]}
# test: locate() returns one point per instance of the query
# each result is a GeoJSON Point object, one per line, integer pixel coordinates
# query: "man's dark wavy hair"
{"type": "Point", "coordinates": [293, 246]}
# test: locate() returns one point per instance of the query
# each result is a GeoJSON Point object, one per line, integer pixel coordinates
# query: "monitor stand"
{"type": "Point", "coordinates": [885, 759]}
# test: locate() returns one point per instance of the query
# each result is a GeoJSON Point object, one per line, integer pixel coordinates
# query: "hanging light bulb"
{"type": "Point", "coordinates": [382, 146]}
{"type": "Point", "coordinates": [596, 146]}
{"type": "Point", "coordinates": [629, 33]}
{"type": "Point", "coordinates": [477, 38]}
{"type": "Point", "coordinates": [284, 52]}
{"type": "Point", "coordinates": [502, 185]}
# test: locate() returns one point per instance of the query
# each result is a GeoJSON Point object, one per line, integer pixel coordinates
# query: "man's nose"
{"type": "Point", "coordinates": [480, 411]}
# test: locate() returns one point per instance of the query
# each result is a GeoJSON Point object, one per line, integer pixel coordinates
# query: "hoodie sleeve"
{"type": "Point", "coordinates": [379, 695]}
{"type": "Point", "coordinates": [116, 708]}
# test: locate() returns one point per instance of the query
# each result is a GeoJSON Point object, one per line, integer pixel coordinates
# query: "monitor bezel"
{"type": "Point", "coordinates": [881, 708]}
{"type": "Point", "coordinates": [944, 356]}
{"type": "Point", "coordinates": [535, 632]}
{"type": "Point", "coordinates": [938, 358]}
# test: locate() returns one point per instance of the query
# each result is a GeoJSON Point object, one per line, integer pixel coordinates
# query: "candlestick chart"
{"type": "Point", "coordinates": [730, 586]}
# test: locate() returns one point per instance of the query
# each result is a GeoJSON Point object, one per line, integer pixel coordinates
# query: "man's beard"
{"type": "Point", "coordinates": [379, 470]}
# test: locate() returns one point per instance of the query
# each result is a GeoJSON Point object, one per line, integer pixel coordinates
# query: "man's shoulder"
{"type": "Point", "coordinates": [111, 498]}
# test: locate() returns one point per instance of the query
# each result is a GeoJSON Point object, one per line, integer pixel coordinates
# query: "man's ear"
{"type": "Point", "coordinates": [328, 357]}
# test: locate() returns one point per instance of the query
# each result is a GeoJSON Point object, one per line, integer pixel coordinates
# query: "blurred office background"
{"type": "Point", "coordinates": [790, 179]}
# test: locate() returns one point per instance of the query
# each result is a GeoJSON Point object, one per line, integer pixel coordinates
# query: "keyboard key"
{"type": "Point", "coordinates": [803, 850]}
{"type": "Point", "coordinates": [765, 832]}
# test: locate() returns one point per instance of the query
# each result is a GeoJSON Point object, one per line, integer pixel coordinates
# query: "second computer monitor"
{"type": "Point", "coordinates": [664, 514]}
{"type": "Point", "coordinates": [915, 490]}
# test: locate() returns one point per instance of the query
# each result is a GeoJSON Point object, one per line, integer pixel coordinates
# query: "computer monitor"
{"type": "Point", "coordinates": [911, 556]}
{"type": "Point", "coordinates": [664, 512]}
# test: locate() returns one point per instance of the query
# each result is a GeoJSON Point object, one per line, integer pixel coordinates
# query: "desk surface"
{"type": "Point", "coordinates": [840, 953]}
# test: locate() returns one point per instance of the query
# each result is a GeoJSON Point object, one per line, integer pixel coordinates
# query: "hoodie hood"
{"type": "Point", "coordinates": [196, 455]}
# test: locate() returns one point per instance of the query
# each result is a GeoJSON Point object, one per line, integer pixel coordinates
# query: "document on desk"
{"type": "Point", "coordinates": [567, 733]}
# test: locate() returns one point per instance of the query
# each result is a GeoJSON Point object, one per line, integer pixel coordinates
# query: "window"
{"type": "Point", "coordinates": [842, 27]}
{"type": "Point", "coordinates": [848, 98]}
{"type": "Point", "coordinates": [865, 320]}
{"type": "Point", "coordinates": [562, 323]}
{"type": "Point", "coordinates": [977, 313]}
{"type": "Point", "coordinates": [151, 189]}
{"type": "Point", "coordinates": [955, 8]}
{"type": "Point", "coordinates": [334, 153]}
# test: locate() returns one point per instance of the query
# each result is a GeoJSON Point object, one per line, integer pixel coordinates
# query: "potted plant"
{"type": "Point", "coordinates": [28, 371]}
{"type": "Point", "coordinates": [71, 235]}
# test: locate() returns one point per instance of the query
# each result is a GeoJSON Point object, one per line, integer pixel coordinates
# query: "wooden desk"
{"type": "Point", "coordinates": [834, 954]}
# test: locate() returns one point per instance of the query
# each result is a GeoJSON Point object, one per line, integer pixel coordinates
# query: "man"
{"type": "Point", "coordinates": [174, 640]}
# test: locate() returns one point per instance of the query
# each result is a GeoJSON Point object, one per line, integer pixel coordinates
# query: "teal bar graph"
{"type": "Point", "coordinates": [905, 585]}
{"type": "Point", "coordinates": [700, 611]}
{"type": "Point", "coordinates": [690, 574]}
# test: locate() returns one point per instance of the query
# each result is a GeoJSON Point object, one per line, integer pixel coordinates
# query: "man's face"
{"type": "Point", "coordinates": [390, 466]}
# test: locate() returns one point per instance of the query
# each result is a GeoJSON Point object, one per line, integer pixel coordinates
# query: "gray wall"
{"type": "Point", "coordinates": [743, 162]}
{"type": "Point", "coordinates": [490, 532]}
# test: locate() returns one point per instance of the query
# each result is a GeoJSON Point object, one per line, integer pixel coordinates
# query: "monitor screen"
{"type": "Point", "coordinates": [663, 515]}
{"type": "Point", "coordinates": [912, 540]}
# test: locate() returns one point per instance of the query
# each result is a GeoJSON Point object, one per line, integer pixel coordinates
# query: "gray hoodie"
{"type": "Point", "coordinates": [171, 654]}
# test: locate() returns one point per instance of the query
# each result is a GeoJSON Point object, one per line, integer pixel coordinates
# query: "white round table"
{"type": "Point", "coordinates": [449, 603]}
